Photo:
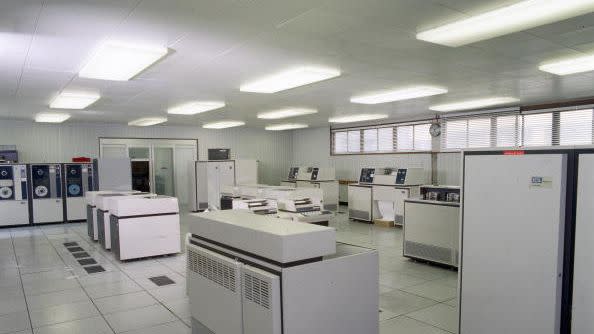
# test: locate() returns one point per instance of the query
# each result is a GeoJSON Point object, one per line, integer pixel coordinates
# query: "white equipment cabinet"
{"type": "Point", "coordinates": [361, 197]}
{"type": "Point", "coordinates": [324, 179]}
{"type": "Point", "coordinates": [78, 179]}
{"type": "Point", "coordinates": [14, 204]}
{"type": "Point", "coordinates": [208, 179]}
{"type": "Point", "coordinates": [296, 279]}
{"type": "Point", "coordinates": [432, 225]}
{"type": "Point", "coordinates": [246, 171]}
{"type": "Point", "coordinates": [46, 190]}
{"type": "Point", "coordinates": [103, 227]}
{"type": "Point", "coordinates": [512, 242]}
{"type": "Point", "coordinates": [91, 198]}
{"type": "Point", "coordinates": [582, 319]}
{"type": "Point", "coordinates": [388, 195]}
{"type": "Point", "coordinates": [144, 226]}
{"type": "Point", "coordinates": [360, 202]}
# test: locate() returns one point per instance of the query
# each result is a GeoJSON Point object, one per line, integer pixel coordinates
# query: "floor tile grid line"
{"type": "Point", "coordinates": [426, 323]}
{"type": "Point", "coordinates": [21, 281]}
{"type": "Point", "coordinates": [418, 295]}
{"type": "Point", "coordinates": [83, 288]}
{"type": "Point", "coordinates": [142, 287]}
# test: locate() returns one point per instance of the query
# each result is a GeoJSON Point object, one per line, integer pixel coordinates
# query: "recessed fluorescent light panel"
{"type": "Point", "coordinates": [195, 107]}
{"type": "Point", "coordinates": [51, 117]}
{"type": "Point", "coordinates": [121, 61]}
{"type": "Point", "coordinates": [474, 104]}
{"type": "Point", "coordinates": [506, 20]}
{"type": "Point", "coordinates": [286, 113]}
{"type": "Point", "coordinates": [570, 65]}
{"type": "Point", "coordinates": [223, 124]}
{"type": "Point", "coordinates": [399, 94]}
{"type": "Point", "coordinates": [74, 100]}
{"type": "Point", "coordinates": [290, 79]}
{"type": "Point", "coordinates": [357, 118]}
{"type": "Point", "coordinates": [148, 121]}
{"type": "Point", "coordinates": [282, 127]}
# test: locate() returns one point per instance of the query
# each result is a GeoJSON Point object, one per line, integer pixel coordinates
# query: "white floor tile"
{"type": "Point", "coordinates": [57, 298]}
{"type": "Point", "coordinates": [139, 318]}
{"type": "Point", "coordinates": [432, 290]}
{"type": "Point", "coordinates": [14, 322]}
{"type": "Point", "coordinates": [400, 302]}
{"type": "Point", "coordinates": [63, 313]}
{"type": "Point", "coordinates": [129, 301]}
{"type": "Point", "coordinates": [176, 327]}
{"type": "Point", "coordinates": [440, 315]}
{"type": "Point", "coordinates": [405, 325]}
{"type": "Point", "coordinates": [112, 289]}
{"type": "Point", "coordinates": [94, 325]}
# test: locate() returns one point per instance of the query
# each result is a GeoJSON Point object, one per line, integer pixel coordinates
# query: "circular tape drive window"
{"type": "Point", "coordinates": [5, 192]}
{"type": "Point", "coordinates": [41, 191]}
{"type": "Point", "coordinates": [3, 173]}
{"type": "Point", "coordinates": [74, 189]}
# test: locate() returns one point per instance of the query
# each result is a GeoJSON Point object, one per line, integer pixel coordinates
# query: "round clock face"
{"type": "Point", "coordinates": [435, 130]}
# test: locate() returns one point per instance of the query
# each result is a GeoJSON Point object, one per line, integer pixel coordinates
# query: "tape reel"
{"type": "Point", "coordinates": [41, 191]}
{"type": "Point", "coordinates": [5, 193]}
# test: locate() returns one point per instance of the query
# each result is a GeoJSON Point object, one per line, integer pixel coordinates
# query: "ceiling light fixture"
{"type": "Point", "coordinates": [46, 117]}
{"type": "Point", "coordinates": [569, 65]}
{"type": "Point", "coordinates": [223, 124]}
{"type": "Point", "coordinates": [147, 121]}
{"type": "Point", "coordinates": [290, 79]}
{"type": "Point", "coordinates": [506, 20]}
{"type": "Point", "coordinates": [195, 107]}
{"type": "Point", "coordinates": [399, 94]}
{"type": "Point", "coordinates": [473, 104]}
{"type": "Point", "coordinates": [74, 100]}
{"type": "Point", "coordinates": [120, 61]}
{"type": "Point", "coordinates": [282, 127]}
{"type": "Point", "coordinates": [356, 118]}
{"type": "Point", "coordinates": [286, 113]}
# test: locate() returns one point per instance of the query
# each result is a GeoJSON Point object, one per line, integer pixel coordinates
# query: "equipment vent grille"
{"type": "Point", "coordinates": [212, 269]}
{"type": "Point", "coordinates": [428, 252]}
{"type": "Point", "coordinates": [359, 214]}
{"type": "Point", "coordinates": [256, 290]}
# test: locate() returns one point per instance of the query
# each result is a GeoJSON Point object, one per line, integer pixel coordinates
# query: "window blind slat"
{"type": "Point", "coordinates": [573, 127]}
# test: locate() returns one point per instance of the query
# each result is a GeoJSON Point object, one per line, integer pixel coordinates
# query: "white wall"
{"type": "Point", "coordinates": [57, 143]}
{"type": "Point", "coordinates": [312, 147]}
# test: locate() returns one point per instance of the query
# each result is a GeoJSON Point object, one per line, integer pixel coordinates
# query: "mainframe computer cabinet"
{"type": "Point", "coordinates": [207, 179]}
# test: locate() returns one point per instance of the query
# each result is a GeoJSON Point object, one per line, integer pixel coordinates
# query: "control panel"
{"type": "Point", "coordinates": [401, 176]}
{"type": "Point", "coordinates": [13, 182]}
{"type": "Point", "coordinates": [367, 175]}
{"type": "Point", "coordinates": [79, 179]}
{"type": "Point", "coordinates": [46, 181]}
{"type": "Point", "coordinates": [293, 171]}
{"type": "Point", "coordinates": [314, 173]}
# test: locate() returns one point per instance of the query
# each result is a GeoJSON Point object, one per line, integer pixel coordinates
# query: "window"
{"type": "Point", "coordinates": [354, 141]}
{"type": "Point", "coordinates": [370, 140]}
{"type": "Point", "coordinates": [385, 139]}
{"type": "Point", "coordinates": [538, 130]}
{"type": "Point", "coordinates": [405, 138]}
{"type": "Point", "coordinates": [575, 127]}
{"type": "Point", "coordinates": [341, 142]}
{"type": "Point", "coordinates": [509, 130]}
{"type": "Point", "coordinates": [479, 132]}
{"type": "Point", "coordinates": [422, 137]}
{"type": "Point", "coordinates": [455, 134]}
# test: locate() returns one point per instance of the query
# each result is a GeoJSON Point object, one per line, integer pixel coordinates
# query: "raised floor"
{"type": "Point", "coordinates": [45, 289]}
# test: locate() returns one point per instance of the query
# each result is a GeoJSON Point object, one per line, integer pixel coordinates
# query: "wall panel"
{"type": "Point", "coordinates": [48, 142]}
